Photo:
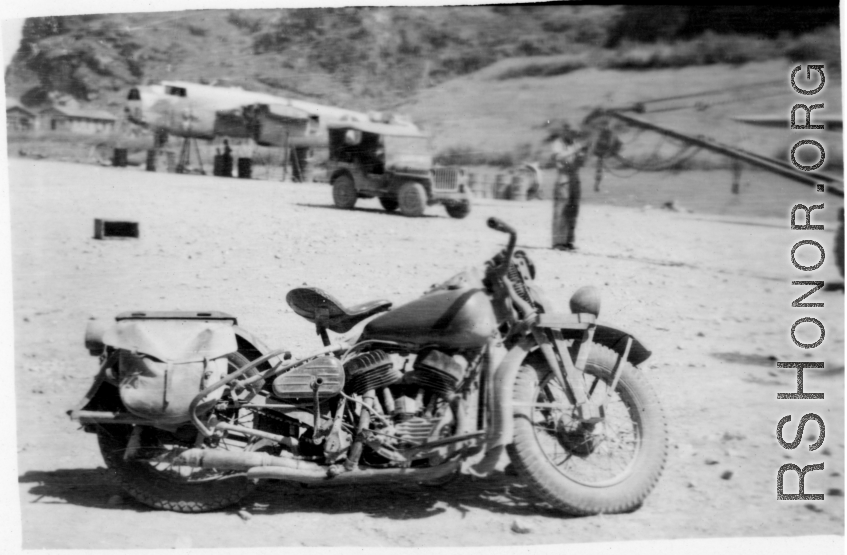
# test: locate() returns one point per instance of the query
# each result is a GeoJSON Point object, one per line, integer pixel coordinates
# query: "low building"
{"type": "Point", "coordinates": [77, 120]}
{"type": "Point", "coordinates": [19, 118]}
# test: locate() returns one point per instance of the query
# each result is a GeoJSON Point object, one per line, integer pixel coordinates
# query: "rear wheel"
{"type": "Point", "coordinates": [344, 192]}
{"type": "Point", "coordinates": [389, 204]}
{"type": "Point", "coordinates": [412, 199]}
{"type": "Point", "coordinates": [458, 209]}
{"type": "Point", "coordinates": [609, 467]}
{"type": "Point", "coordinates": [142, 458]}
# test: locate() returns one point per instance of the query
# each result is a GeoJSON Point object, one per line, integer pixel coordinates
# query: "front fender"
{"type": "Point", "coordinates": [615, 339]}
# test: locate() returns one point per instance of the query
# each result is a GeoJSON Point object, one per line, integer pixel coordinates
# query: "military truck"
{"type": "Point", "coordinates": [392, 162]}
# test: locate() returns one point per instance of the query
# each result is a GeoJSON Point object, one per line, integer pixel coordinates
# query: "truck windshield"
{"type": "Point", "coordinates": [407, 145]}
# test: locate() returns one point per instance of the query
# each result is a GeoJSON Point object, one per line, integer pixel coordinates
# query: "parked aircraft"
{"type": "Point", "coordinates": [193, 110]}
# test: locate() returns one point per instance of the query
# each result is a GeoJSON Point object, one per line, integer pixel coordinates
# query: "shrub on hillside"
{"type": "Point", "coordinates": [670, 23]}
{"type": "Point", "coordinates": [244, 22]}
{"type": "Point", "coordinates": [710, 48]}
{"type": "Point", "coordinates": [545, 69]}
{"type": "Point", "coordinates": [821, 46]}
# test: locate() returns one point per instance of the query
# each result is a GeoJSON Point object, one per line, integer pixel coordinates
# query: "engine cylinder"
{"type": "Point", "coordinates": [371, 370]}
{"type": "Point", "coordinates": [438, 372]}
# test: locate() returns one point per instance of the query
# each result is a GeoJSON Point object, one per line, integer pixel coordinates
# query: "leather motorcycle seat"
{"type": "Point", "coordinates": [324, 310]}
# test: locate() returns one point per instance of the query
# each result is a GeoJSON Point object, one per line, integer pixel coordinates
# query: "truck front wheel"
{"type": "Point", "coordinates": [344, 192]}
{"type": "Point", "coordinates": [412, 199]}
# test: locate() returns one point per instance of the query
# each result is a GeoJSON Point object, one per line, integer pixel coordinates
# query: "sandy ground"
{"type": "Point", "coordinates": [709, 294]}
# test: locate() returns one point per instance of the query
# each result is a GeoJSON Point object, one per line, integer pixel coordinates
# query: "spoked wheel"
{"type": "Point", "coordinates": [584, 469]}
{"type": "Point", "coordinates": [143, 459]}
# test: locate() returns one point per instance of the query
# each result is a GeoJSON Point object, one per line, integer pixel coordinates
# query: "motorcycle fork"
{"type": "Point", "coordinates": [568, 373]}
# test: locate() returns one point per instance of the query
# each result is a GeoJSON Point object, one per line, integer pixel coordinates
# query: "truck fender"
{"type": "Point", "coordinates": [615, 339]}
{"type": "Point", "coordinates": [339, 172]}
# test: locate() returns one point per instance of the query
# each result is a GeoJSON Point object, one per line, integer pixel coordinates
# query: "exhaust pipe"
{"type": "Point", "coordinates": [241, 460]}
{"type": "Point", "coordinates": [268, 467]}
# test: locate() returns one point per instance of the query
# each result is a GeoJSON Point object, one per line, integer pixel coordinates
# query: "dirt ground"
{"type": "Point", "coordinates": [709, 294]}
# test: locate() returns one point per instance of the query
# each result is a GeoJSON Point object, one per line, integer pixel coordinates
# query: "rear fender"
{"type": "Point", "coordinates": [103, 396]}
{"type": "Point", "coordinates": [252, 347]}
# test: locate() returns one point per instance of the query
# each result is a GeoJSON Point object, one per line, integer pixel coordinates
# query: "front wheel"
{"type": "Point", "coordinates": [344, 193]}
{"type": "Point", "coordinates": [584, 469]}
{"type": "Point", "coordinates": [412, 199]}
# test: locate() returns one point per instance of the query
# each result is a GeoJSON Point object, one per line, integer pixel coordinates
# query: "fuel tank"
{"type": "Point", "coordinates": [454, 318]}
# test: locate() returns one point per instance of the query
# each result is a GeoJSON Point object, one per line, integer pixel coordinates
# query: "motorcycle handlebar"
{"type": "Point", "coordinates": [500, 225]}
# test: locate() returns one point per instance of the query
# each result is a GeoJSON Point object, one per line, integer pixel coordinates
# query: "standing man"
{"type": "Point", "coordinates": [569, 152]}
{"type": "Point", "coordinates": [226, 164]}
{"type": "Point", "coordinates": [605, 144]}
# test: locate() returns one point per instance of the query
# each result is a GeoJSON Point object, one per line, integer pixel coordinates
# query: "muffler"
{"type": "Point", "coordinates": [370, 475]}
{"type": "Point", "coordinates": [243, 460]}
{"type": "Point", "coordinates": [268, 467]}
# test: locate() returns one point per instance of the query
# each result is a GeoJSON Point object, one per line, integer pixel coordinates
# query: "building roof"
{"type": "Point", "coordinates": [12, 104]}
{"type": "Point", "coordinates": [81, 113]}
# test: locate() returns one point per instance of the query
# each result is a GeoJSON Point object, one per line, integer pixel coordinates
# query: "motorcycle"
{"type": "Point", "coordinates": [191, 410]}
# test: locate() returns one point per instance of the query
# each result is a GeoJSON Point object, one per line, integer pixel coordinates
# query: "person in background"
{"type": "Point", "coordinates": [533, 175]}
{"type": "Point", "coordinates": [606, 144]}
{"type": "Point", "coordinates": [568, 150]}
{"type": "Point", "coordinates": [226, 164]}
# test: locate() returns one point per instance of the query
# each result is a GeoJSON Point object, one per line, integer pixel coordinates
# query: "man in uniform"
{"type": "Point", "coordinates": [606, 144]}
{"type": "Point", "coordinates": [569, 153]}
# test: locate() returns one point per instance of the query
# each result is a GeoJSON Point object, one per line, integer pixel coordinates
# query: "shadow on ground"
{"type": "Point", "coordinates": [85, 487]}
{"type": "Point", "coordinates": [359, 209]}
{"type": "Point", "coordinates": [499, 493]}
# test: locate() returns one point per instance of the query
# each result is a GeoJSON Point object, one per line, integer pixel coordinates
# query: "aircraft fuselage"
{"type": "Point", "coordinates": [193, 110]}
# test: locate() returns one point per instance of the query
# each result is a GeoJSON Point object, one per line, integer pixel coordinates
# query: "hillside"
{"type": "Point", "coordinates": [489, 114]}
{"type": "Point", "coordinates": [371, 57]}
{"type": "Point", "coordinates": [359, 57]}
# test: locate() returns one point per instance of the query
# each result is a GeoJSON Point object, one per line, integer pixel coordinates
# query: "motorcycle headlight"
{"type": "Point", "coordinates": [586, 300]}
